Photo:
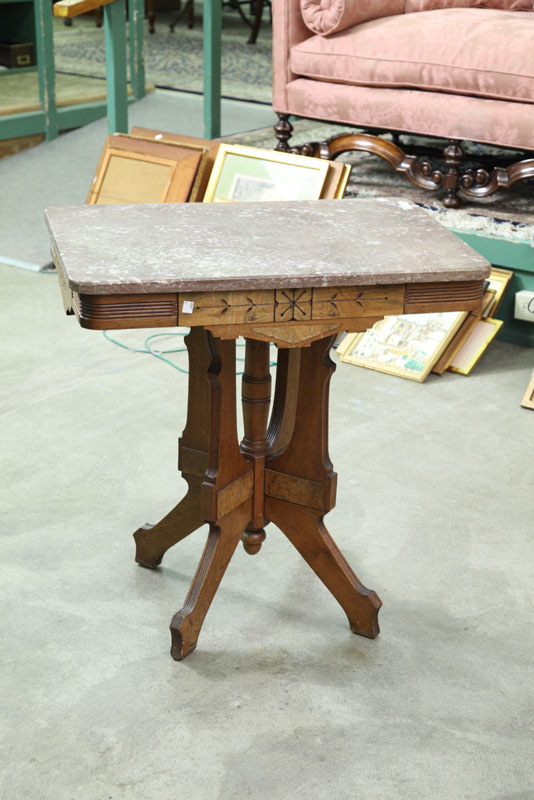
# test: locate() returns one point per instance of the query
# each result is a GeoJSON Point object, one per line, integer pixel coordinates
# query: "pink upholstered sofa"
{"type": "Point", "coordinates": [453, 69]}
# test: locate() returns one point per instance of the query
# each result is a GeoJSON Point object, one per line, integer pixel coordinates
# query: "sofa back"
{"type": "Point", "coordinates": [330, 16]}
{"type": "Point", "coordinates": [505, 5]}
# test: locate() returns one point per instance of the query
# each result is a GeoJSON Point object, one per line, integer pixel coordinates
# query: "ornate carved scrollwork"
{"type": "Point", "coordinates": [480, 182]}
{"type": "Point", "coordinates": [421, 172]}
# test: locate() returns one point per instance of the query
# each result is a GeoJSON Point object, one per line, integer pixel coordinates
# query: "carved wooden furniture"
{"type": "Point", "coordinates": [399, 73]}
{"type": "Point", "coordinates": [309, 271]}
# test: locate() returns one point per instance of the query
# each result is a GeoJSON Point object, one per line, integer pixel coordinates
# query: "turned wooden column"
{"type": "Point", "coordinates": [256, 399]}
{"type": "Point", "coordinates": [454, 156]}
{"type": "Point", "coordinates": [283, 131]}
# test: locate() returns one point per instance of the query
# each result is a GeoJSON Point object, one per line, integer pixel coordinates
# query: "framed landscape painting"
{"type": "Point", "coordinates": [407, 345]}
{"type": "Point", "coordinates": [245, 174]}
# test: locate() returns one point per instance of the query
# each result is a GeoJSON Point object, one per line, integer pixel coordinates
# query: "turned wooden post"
{"type": "Point", "coordinates": [283, 131]}
{"type": "Point", "coordinates": [454, 155]}
{"type": "Point", "coordinates": [256, 398]}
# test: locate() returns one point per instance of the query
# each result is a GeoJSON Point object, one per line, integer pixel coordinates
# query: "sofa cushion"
{"type": "Point", "coordinates": [505, 5]}
{"type": "Point", "coordinates": [424, 51]}
{"type": "Point", "coordinates": [329, 16]}
{"type": "Point", "coordinates": [454, 117]}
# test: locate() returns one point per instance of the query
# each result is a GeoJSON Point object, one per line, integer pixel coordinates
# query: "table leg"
{"type": "Point", "coordinates": [226, 496]}
{"type": "Point", "coordinates": [222, 542]}
{"type": "Point", "coordinates": [300, 487]}
{"type": "Point", "coordinates": [305, 530]}
{"type": "Point", "coordinates": [258, 11]}
{"type": "Point", "coordinates": [152, 541]}
{"type": "Point", "coordinates": [256, 398]}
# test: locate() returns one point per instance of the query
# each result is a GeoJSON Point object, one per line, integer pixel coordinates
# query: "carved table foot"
{"type": "Point", "coordinates": [222, 541]}
{"type": "Point", "coordinates": [153, 541]}
{"type": "Point", "coordinates": [305, 530]}
{"type": "Point", "coordinates": [300, 485]}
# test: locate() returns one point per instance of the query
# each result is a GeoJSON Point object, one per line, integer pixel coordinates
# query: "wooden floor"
{"type": "Point", "coordinates": [20, 92]}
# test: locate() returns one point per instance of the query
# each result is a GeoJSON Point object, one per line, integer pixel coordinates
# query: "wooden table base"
{"type": "Point", "coordinates": [280, 473]}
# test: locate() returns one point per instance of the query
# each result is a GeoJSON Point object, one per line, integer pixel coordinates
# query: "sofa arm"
{"type": "Point", "coordinates": [288, 29]}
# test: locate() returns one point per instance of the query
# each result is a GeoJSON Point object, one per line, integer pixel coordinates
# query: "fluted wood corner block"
{"type": "Point", "coordinates": [115, 312]}
{"type": "Point", "coordinates": [427, 297]}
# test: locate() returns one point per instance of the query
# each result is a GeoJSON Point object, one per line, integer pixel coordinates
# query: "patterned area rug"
{"type": "Point", "coordinates": [174, 60]}
{"type": "Point", "coordinates": [508, 214]}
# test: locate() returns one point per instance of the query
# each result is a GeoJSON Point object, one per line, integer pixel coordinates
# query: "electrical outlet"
{"type": "Point", "coordinates": [524, 305]}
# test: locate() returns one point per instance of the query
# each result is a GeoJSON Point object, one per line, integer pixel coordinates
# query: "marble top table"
{"type": "Point", "coordinates": [223, 265]}
{"type": "Point", "coordinates": [291, 273]}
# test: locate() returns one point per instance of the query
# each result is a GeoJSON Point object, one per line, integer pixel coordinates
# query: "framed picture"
{"type": "Point", "coordinates": [463, 334]}
{"type": "Point", "coordinates": [336, 181]}
{"type": "Point", "coordinates": [475, 345]}
{"type": "Point", "coordinates": [209, 146]}
{"type": "Point", "coordinates": [528, 398]}
{"type": "Point", "coordinates": [407, 345]}
{"type": "Point", "coordinates": [498, 282]}
{"type": "Point", "coordinates": [244, 174]}
{"type": "Point", "coordinates": [136, 170]}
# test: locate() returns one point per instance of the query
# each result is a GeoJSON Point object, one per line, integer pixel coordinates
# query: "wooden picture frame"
{"type": "Point", "coordinates": [498, 282]}
{"type": "Point", "coordinates": [334, 186]}
{"type": "Point", "coordinates": [528, 397]}
{"type": "Point", "coordinates": [336, 181]}
{"type": "Point", "coordinates": [210, 146]}
{"type": "Point", "coordinates": [132, 169]}
{"type": "Point", "coordinates": [408, 345]}
{"type": "Point", "coordinates": [476, 344]}
{"type": "Point", "coordinates": [464, 332]}
{"type": "Point", "coordinates": [249, 174]}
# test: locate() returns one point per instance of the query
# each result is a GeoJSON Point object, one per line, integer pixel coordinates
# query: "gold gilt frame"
{"type": "Point", "coordinates": [221, 174]}
{"type": "Point", "coordinates": [475, 346]}
{"type": "Point", "coordinates": [499, 280]}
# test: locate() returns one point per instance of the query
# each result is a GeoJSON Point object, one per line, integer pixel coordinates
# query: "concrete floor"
{"type": "Point", "coordinates": [280, 701]}
{"type": "Point", "coordinates": [60, 172]}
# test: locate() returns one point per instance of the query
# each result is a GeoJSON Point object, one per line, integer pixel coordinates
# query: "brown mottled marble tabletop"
{"type": "Point", "coordinates": [133, 249]}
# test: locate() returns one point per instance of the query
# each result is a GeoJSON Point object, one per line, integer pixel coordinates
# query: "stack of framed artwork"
{"type": "Point", "coordinates": [150, 166]}
{"type": "Point", "coordinates": [248, 174]}
{"type": "Point", "coordinates": [414, 345]}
